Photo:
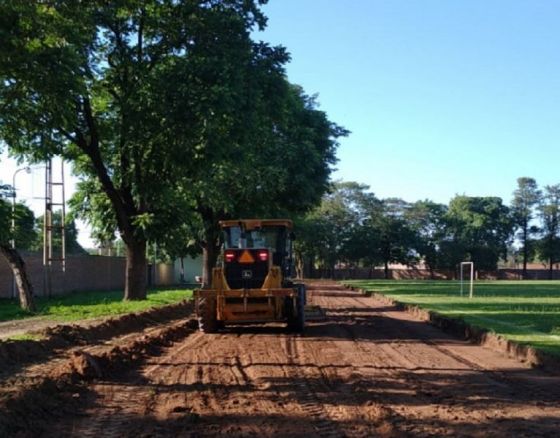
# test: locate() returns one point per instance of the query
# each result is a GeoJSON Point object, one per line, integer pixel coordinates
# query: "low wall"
{"type": "Point", "coordinates": [394, 274]}
{"type": "Point", "coordinates": [517, 274]}
{"type": "Point", "coordinates": [83, 273]}
{"type": "Point", "coordinates": [425, 274]}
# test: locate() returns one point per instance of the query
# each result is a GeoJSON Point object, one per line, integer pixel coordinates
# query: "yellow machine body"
{"type": "Point", "coordinates": [273, 298]}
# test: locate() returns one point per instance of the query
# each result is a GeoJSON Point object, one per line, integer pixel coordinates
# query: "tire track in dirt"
{"type": "Point", "coordinates": [117, 413]}
{"type": "Point", "coordinates": [326, 425]}
{"type": "Point", "coordinates": [365, 370]}
{"type": "Point", "coordinates": [456, 391]}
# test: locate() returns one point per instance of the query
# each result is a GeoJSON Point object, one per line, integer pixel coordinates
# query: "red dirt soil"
{"type": "Point", "coordinates": [365, 369]}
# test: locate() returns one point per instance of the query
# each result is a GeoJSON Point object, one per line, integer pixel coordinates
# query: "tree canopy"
{"type": "Point", "coordinates": [548, 246]}
{"type": "Point", "coordinates": [165, 108]}
{"type": "Point", "coordinates": [352, 227]}
{"type": "Point", "coordinates": [525, 198]}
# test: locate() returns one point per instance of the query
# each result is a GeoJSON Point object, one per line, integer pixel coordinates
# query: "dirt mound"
{"type": "Point", "coordinates": [17, 353]}
{"type": "Point", "coordinates": [103, 361]}
{"type": "Point", "coordinates": [461, 329]}
{"type": "Point", "coordinates": [31, 406]}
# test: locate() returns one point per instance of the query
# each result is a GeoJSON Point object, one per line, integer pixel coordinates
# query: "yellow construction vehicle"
{"type": "Point", "coordinates": [252, 283]}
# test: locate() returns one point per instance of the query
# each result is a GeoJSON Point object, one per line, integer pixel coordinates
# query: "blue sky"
{"type": "Point", "coordinates": [442, 97]}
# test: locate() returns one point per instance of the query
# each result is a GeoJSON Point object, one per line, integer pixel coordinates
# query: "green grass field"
{"type": "Point", "coordinates": [527, 312]}
{"type": "Point", "coordinates": [85, 305]}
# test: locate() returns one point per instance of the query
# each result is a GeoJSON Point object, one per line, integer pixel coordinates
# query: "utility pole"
{"type": "Point", "coordinates": [13, 227]}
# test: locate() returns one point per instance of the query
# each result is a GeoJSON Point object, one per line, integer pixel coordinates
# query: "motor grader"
{"type": "Point", "coordinates": [253, 280]}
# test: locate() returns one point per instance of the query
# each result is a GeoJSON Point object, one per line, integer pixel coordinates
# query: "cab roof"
{"type": "Point", "coordinates": [251, 224]}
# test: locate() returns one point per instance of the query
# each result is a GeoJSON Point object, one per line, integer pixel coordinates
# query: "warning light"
{"type": "Point", "coordinates": [246, 257]}
{"type": "Point", "coordinates": [263, 256]}
{"type": "Point", "coordinates": [230, 256]}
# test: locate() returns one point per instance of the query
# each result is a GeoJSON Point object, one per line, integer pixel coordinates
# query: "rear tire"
{"type": "Point", "coordinates": [207, 322]}
{"type": "Point", "coordinates": [296, 322]}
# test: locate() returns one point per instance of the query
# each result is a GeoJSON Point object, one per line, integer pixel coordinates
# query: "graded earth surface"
{"type": "Point", "coordinates": [361, 369]}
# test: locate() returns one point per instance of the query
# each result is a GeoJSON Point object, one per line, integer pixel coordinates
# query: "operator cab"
{"type": "Point", "coordinates": [252, 247]}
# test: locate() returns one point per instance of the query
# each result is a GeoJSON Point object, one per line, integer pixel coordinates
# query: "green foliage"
{"type": "Point", "coordinates": [328, 234]}
{"type": "Point", "coordinates": [548, 246]}
{"type": "Point", "coordinates": [523, 311]}
{"type": "Point", "coordinates": [525, 198]}
{"type": "Point", "coordinates": [147, 98]}
{"type": "Point", "coordinates": [427, 220]}
{"type": "Point", "coordinates": [24, 234]}
{"type": "Point", "coordinates": [481, 227]}
{"type": "Point", "coordinates": [353, 227]}
{"type": "Point", "coordinates": [396, 238]}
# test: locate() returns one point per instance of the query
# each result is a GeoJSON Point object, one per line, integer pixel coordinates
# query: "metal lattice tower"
{"type": "Point", "coordinates": [54, 197]}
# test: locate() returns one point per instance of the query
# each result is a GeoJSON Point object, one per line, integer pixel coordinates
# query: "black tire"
{"type": "Point", "coordinates": [296, 321]}
{"type": "Point", "coordinates": [207, 322]}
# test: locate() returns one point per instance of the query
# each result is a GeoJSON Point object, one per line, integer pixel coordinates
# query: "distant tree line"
{"type": "Point", "coordinates": [355, 228]}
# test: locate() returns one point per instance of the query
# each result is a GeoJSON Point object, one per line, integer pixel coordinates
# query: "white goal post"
{"type": "Point", "coordinates": [471, 264]}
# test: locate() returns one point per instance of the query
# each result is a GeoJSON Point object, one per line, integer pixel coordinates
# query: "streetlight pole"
{"type": "Point", "coordinates": [13, 228]}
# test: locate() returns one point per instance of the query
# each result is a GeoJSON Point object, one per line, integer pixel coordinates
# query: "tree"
{"type": "Point", "coordinates": [362, 240]}
{"type": "Point", "coordinates": [278, 165]}
{"type": "Point", "coordinates": [427, 221]}
{"type": "Point", "coordinates": [327, 234]}
{"type": "Point", "coordinates": [549, 210]}
{"type": "Point", "coordinates": [481, 227]}
{"type": "Point", "coordinates": [125, 90]}
{"type": "Point", "coordinates": [525, 198]}
{"type": "Point", "coordinates": [396, 238]}
{"type": "Point", "coordinates": [22, 236]}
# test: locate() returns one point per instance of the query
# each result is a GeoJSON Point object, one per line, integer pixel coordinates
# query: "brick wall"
{"type": "Point", "coordinates": [83, 273]}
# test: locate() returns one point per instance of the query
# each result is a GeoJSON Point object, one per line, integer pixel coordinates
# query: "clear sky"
{"type": "Point", "coordinates": [443, 97]}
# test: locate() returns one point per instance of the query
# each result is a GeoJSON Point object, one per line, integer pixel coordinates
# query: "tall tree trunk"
{"type": "Point", "coordinates": [210, 252]}
{"type": "Point", "coordinates": [386, 263]}
{"type": "Point", "coordinates": [136, 269]}
{"type": "Point", "coordinates": [311, 267]}
{"type": "Point", "coordinates": [550, 266]}
{"type": "Point", "coordinates": [25, 289]}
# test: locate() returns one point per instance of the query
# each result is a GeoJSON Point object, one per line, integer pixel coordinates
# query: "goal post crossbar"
{"type": "Point", "coordinates": [471, 265]}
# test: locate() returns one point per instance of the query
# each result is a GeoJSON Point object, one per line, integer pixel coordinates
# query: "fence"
{"type": "Point", "coordinates": [83, 272]}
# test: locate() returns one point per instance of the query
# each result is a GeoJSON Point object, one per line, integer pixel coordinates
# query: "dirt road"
{"type": "Point", "coordinates": [363, 370]}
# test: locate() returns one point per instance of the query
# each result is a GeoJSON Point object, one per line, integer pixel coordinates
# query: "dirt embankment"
{"type": "Point", "coordinates": [365, 369]}
{"type": "Point", "coordinates": [61, 337]}
{"type": "Point", "coordinates": [42, 380]}
{"type": "Point", "coordinates": [481, 336]}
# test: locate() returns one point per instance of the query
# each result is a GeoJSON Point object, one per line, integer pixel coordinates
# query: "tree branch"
{"type": "Point", "coordinates": [124, 210]}
{"type": "Point", "coordinates": [140, 47]}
